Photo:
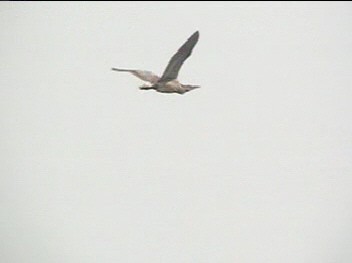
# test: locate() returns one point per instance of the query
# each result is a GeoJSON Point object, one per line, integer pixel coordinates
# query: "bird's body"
{"type": "Point", "coordinates": [168, 82]}
{"type": "Point", "coordinates": [171, 86]}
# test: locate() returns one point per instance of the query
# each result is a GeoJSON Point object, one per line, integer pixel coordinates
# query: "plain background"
{"type": "Point", "coordinates": [253, 167]}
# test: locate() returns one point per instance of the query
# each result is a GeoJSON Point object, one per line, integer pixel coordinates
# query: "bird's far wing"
{"type": "Point", "coordinates": [176, 62]}
{"type": "Point", "coordinates": [141, 74]}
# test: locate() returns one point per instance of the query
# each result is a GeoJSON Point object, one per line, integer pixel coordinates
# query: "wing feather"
{"type": "Point", "coordinates": [141, 74]}
{"type": "Point", "coordinates": [176, 62]}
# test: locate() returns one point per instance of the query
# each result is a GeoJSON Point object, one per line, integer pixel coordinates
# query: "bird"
{"type": "Point", "coordinates": [168, 82]}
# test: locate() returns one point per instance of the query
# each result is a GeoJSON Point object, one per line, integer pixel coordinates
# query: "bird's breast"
{"type": "Point", "coordinates": [173, 85]}
{"type": "Point", "coordinates": [170, 87]}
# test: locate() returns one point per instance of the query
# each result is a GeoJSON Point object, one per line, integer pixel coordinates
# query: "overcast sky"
{"type": "Point", "coordinates": [256, 166]}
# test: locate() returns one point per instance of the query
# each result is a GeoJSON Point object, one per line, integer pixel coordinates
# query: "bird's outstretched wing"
{"type": "Point", "coordinates": [176, 62]}
{"type": "Point", "coordinates": [141, 74]}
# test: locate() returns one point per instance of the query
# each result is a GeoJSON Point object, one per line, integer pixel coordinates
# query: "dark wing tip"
{"type": "Point", "coordinates": [195, 36]}
{"type": "Point", "coordinates": [190, 43]}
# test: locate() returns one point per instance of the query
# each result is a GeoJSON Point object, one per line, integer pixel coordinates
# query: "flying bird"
{"type": "Point", "coordinates": [168, 82]}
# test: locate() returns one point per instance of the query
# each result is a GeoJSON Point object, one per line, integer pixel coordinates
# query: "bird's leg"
{"type": "Point", "coordinates": [146, 87]}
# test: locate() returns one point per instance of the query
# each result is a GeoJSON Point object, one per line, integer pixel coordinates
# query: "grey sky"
{"type": "Point", "coordinates": [253, 167]}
